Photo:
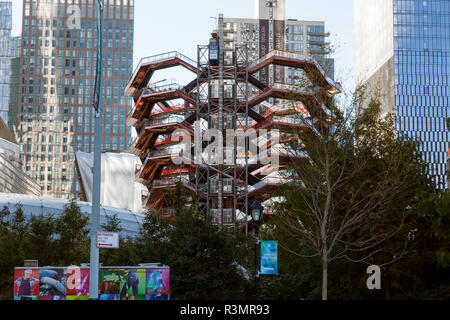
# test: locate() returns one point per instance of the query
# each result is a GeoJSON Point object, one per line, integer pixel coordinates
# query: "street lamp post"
{"type": "Point", "coordinates": [98, 106]}
{"type": "Point", "coordinates": [257, 212]}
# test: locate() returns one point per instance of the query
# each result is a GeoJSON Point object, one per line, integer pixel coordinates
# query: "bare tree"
{"type": "Point", "coordinates": [346, 185]}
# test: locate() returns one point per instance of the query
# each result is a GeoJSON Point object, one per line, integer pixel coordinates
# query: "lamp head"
{"type": "Point", "coordinates": [257, 211]}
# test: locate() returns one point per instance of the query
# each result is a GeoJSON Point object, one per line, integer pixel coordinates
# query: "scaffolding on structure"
{"type": "Point", "coordinates": [225, 95]}
{"type": "Point", "coordinates": [222, 104]}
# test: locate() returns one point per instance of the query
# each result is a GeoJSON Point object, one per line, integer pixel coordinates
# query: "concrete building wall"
{"type": "Point", "coordinates": [381, 86]}
{"type": "Point", "coordinates": [373, 36]}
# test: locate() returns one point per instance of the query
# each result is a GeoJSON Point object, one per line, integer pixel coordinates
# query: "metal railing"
{"type": "Point", "coordinates": [168, 141]}
{"type": "Point", "coordinates": [131, 112]}
{"type": "Point", "coordinates": [173, 109]}
{"type": "Point", "coordinates": [166, 120]}
{"type": "Point", "coordinates": [161, 57]}
{"type": "Point", "coordinates": [134, 143]}
{"type": "Point", "coordinates": [281, 150]}
{"type": "Point", "coordinates": [163, 153]}
{"type": "Point", "coordinates": [170, 181]}
{"type": "Point", "coordinates": [155, 89]}
{"type": "Point", "coordinates": [293, 88]}
{"type": "Point", "coordinates": [292, 106]}
{"type": "Point", "coordinates": [285, 54]}
{"type": "Point", "coordinates": [297, 56]}
{"type": "Point", "coordinates": [268, 180]}
{"type": "Point", "coordinates": [300, 120]}
{"type": "Point", "coordinates": [166, 87]}
{"type": "Point", "coordinates": [155, 154]}
{"type": "Point", "coordinates": [319, 34]}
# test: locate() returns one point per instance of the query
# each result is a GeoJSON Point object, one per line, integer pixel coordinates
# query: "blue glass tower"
{"type": "Point", "coordinates": [422, 77]}
{"type": "Point", "coordinates": [402, 51]}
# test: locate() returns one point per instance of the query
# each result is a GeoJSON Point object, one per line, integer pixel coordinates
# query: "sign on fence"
{"type": "Point", "coordinates": [108, 240]}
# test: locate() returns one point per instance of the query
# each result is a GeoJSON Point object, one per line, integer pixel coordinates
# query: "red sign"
{"type": "Point", "coordinates": [108, 240]}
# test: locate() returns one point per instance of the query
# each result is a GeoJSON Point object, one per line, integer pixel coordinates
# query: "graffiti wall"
{"type": "Point", "coordinates": [72, 283]}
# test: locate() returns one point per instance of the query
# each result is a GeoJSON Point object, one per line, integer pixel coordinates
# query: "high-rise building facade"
{"type": "Point", "coordinates": [5, 56]}
{"type": "Point", "coordinates": [14, 85]}
{"type": "Point", "coordinates": [402, 50]}
{"type": "Point", "coordinates": [58, 58]}
{"type": "Point", "coordinates": [269, 30]}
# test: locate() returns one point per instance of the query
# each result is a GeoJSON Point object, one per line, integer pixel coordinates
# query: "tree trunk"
{"type": "Point", "coordinates": [388, 286]}
{"type": "Point", "coordinates": [323, 231]}
{"type": "Point", "coordinates": [324, 275]}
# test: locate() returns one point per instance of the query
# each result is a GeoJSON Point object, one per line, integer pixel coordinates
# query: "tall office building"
{"type": "Point", "coordinates": [14, 85]}
{"type": "Point", "coordinates": [58, 58]}
{"type": "Point", "coordinates": [269, 30]}
{"type": "Point", "coordinates": [5, 56]}
{"type": "Point", "coordinates": [402, 51]}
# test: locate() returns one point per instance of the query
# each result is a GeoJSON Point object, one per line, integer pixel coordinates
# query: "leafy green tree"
{"type": "Point", "coordinates": [13, 245]}
{"type": "Point", "coordinates": [204, 259]}
{"type": "Point", "coordinates": [41, 239]}
{"type": "Point", "coordinates": [441, 227]}
{"type": "Point", "coordinates": [153, 243]}
{"type": "Point", "coordinates": [22, 239]}
{"type": "Point", "coordinates": [126, 255]}
{"type": "Point", "coordinates": [72, 243]}
{"type": "Point", "coordinates": [284, 287]}
{"type": "Point", "coordinates": [425, 274]}
{"type": "Point", "coordinates": [112, 224]}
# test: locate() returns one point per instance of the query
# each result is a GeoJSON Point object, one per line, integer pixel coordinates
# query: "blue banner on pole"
{"type": "Point", "coordinates": [269, 257]}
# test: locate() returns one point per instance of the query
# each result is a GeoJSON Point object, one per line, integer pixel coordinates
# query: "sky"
{"type": "Point", "coordinates": [179, 25]}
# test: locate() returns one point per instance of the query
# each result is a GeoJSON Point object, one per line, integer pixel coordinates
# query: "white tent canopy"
{"type": "Point", "coordinates": [35, 206]}
{"type": "Point", "coordinates": [118, 186]}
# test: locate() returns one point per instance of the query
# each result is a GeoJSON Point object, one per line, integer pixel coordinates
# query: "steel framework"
{"type": "Point", "coordinates": [225, 95]}
{"type": "Point", "coordinates": [222, 89]}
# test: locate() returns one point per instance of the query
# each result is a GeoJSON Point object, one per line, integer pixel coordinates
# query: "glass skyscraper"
{"type": "Point", "coordinates": [422, 76]}
{"type": "Point", "coordinates": [5, 56]}
{"type": "Point", "coordinates": [58, 56]}
{"type": "Point", "coordinates": [14, 85]}
{"type": "Point", "coordinates": [410, 67]}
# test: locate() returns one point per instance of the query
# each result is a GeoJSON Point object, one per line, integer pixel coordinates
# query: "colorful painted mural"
{"type": "Point", "coordinates": [72, 283]}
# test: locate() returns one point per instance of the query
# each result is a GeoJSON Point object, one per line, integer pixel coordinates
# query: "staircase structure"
{"type": "Point", "coordinates": [224, 95]}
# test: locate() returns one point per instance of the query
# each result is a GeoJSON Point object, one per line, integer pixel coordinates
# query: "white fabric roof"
{"type": "Point", "coordinates": [118, 186]}
{"type": "Point", "coordinates": [32, 205]}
